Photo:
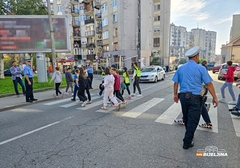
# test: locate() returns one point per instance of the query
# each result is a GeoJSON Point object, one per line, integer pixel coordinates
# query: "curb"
{"type": "Point", "coordinates": [26, 104]}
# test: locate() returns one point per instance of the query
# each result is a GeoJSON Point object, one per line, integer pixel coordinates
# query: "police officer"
{"type": "Point", "coordinates": [29, 82]}
{"type": "Point", "coordinates": [190, 77]}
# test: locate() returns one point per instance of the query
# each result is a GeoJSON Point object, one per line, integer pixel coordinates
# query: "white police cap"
{"type": "Point", "coordinates": [192, 51]}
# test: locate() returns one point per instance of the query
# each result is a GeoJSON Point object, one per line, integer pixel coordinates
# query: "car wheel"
{"type": "Point", "coordinates": [163, 77]}
{"type": "Point", "coordinates": [156, 80]}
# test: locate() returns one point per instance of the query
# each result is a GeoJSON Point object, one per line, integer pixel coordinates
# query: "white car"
{"type": "Point", "coordinates": [152, 74]}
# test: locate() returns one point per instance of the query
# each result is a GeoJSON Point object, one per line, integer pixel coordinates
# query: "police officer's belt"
{"type": "Point", "coordinates": [190, 95]}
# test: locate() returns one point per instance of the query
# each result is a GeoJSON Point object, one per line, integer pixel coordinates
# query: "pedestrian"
{"type": "Point", "coordinates": [74, 70]}
{"type": "Point", "coordinates": [100, 86]}
{"type": "Point", "coordinates": [190, 77]}
{"type": "Point", "coordinates": [229, 82]}
{"type": "Point", "coordinates": [236, 110]}
{"type": "Point", "coordinates": [126, 81]}
{"type": "Point", "coordinates": [76, 84]}
{"type": "Point", "coordinates": [57, 78]}
{"type": "Point", "coordinates": [108, 90]}
{"type": "Point", "coordinates": [117, 86]}
{"type": "Point", "coordinates": [83, 82]}
{"type": "Point", "coordinates": [90, 73]}
{"type": "Point", "coordinates": [28, 73]}
{"type": "Point", "coordinates": [69, 80]}
{"type": "Point", "coordinates": [136, 78]}
{"type": "Point", "coordinates": [17, 78]}
{"type": "Point", "coordinates": [87, 86]}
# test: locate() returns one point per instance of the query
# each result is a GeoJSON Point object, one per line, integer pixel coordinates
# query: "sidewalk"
{"type": "Point", "coordinates": [11, 102]}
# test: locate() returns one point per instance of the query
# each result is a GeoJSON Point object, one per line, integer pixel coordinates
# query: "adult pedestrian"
{"type": "Point", "coordinates": [69, 80]}
{"type": "Point", "coordinates": [83, 82]}
{"type": "Point", "coordinates": [28, 73]}
{"type": "Point", "coordinates": [229, 82]}
{"type": "Point", "coordinates": [57, 78]}
{"type": "Point", "coordinates": [190, 77]}
{"type": "Point", "coordinates": [90, 73]}
{"type": "Point", "coordinates": [136, 77]}
{"type": "Point", "coordinates": [17, 78]}
{"type": "Point", "coordinates": [100, 86]}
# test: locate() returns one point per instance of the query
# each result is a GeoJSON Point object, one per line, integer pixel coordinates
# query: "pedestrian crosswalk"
{"type": "Point", "coordinates": [167, 117]}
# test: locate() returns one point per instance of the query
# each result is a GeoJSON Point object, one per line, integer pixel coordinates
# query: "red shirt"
{"type": "Point", "coordinates": [230, 74]}
{"type": "Point", "coordinates": [117, 82]}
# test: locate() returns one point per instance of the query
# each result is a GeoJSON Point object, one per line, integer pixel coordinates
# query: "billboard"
{"type": "Point", "coordinates": [31, 34]}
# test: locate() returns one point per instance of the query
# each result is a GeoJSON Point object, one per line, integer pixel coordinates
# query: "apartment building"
{"type": "Point", "coordinates": [117, 31]}
{"type": "Point", "coordinates": [206, 40]}
{"type": "Point", "coordinates": [178, 41]}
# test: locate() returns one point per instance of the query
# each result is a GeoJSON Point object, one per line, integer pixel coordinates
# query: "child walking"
{"type": "Point", "coordinates": [69, 80]}
{"type": "Point", "coordinates": [57, 77]}
{"type": "Point", "coordinates": [76, 84]}
{"type": "Point", "coordinates": [108, 90]}
{"type": "Point", "coordinates": [126, 81]}
{"type": "Point", "coordinates": [83, 82]}
{"type": "Point", "coordinates": [117, 86]}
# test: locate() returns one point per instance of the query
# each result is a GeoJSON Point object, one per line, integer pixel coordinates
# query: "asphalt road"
{"type": "Point", "coordinates": [61, 133]}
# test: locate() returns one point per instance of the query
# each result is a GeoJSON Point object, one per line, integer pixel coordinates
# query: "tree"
{"type": "Point", "coordinates": [22, 7]}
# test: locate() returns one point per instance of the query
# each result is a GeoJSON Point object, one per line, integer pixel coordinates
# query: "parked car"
{"type": "Point", "coordinates": [223, 71]}
{"type": "Point", "coordinates": [152, 74]}
{"type": "Point", "coordinates": [7, 72]}
{"type": "Point", "coordinates": [209, 66]}
{"type": "Point", "coordinates": [216, 68]}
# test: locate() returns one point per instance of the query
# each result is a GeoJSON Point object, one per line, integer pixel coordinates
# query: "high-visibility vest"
{"type": "Point", "coordinates": [138, 72]}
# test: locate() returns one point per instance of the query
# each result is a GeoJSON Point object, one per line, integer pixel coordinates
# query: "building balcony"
{"type": "Point", "coordinates": [90, 33]}
{"type": "Point", "coordinates": [98, 17]}
{"type": "Point", "coordinates": [99, 30]}
{"type": "Point", "coordinates": [98, 4]}
{"type": "Point", "coordinates": [75, 12]}
{"type": "Point", "coordinates": [91, 45]}
{"type": "Point", "coordinates": [83, 45]}
{"type": "Point", "coordinates": [76, 34]}
{"type": "Point", "coordinates": [91, 56]}
{"type": "Point", "coordinates": [74, 2]}
{"type": "Point", "coordinates": [89, 21]}
{"type": "Point", "coordinates": [99, 42]}
{"type": "Point", "coordinates": [89, 12]}
{"type": "Point", "coordinates": [76, 23]}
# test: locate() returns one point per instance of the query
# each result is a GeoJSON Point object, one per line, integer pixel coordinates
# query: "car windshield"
{"type": "Point", "coordinates": [149, 70]}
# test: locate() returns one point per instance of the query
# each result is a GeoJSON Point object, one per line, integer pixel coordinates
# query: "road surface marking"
{"type": "Point", "coordinates": [134, 113]}
{"type": "Point", "coordinates": [170, 114]}
{"type": "Point", "coordinates": [213, 117]}
{"type": "Point", "coordinates": [77, 103]}
{"type": "Point", "coordinates": [33, 131]}
{"type": "Point", "coordinates": [56, 102]}
{"type": "Point", "coordinates": [88, 106]}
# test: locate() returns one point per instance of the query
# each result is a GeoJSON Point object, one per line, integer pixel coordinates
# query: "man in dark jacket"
{"type": "Point", "coordinates": [69, 80]}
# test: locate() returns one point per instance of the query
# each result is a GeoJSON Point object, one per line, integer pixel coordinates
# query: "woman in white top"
{"type": "Point", "coordinates": [108, 90]}
{"type": "Point", "coordinates": [57, 77]}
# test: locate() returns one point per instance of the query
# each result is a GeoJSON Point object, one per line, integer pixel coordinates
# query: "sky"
{"type": "Point", "coordinates": [213, 15]}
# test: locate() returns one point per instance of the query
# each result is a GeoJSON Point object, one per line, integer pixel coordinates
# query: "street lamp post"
{"type": "Point", "coordinates": [52, 35]}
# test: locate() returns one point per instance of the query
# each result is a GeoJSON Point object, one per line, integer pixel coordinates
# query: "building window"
{"type": "Point", "coordinates": [114, 3]}
{"type": "Point", "coordinates": [105, 22]}
{"type": "Point", "coordinates": [157, 7]}
{"type": "Point", "coordinates": [114, 17]}
{"type": "Point", "coordinates": [106, 48]}
{"type": "Point", "coordinates": [105, 35]}
{"type": "Point", "coordinates": [82, 7]}
{"type": "Point", "coordinates": [104, 8]}
{"type": "Point", "coordinates": [82, 17]}
{"type": "Point", "coordinates": [156, 42]}
{"type": "Point", "coordinates": [156, 18]}
{"type": "Point", "coordinates": [115, 34]}
{"type": "Point", "coordinates": [60, 8]}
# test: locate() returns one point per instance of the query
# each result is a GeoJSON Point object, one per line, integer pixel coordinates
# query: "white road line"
{"type": "Point", "coordinates": [33, 131]}
{"type": "Point", "coordinates": [148, 87]}
{"type": "Point", "coordinates": [88, 106]}
{"type": "Point", "coordinates": [77, 103]}
{"type": "Point", "coordinates": [134, 113]}
{"type": "Point", "coordinates": [170, 114]}
{"type": "Point", "coordinates": [56, 102]}
{"type": "Point", "coordinates": [214, 119]}
{"type": "Point", "coordinates": [236, 121]}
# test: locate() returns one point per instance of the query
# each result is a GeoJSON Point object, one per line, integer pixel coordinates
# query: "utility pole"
{"type": "Point", "coordinates": [52, 35]}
